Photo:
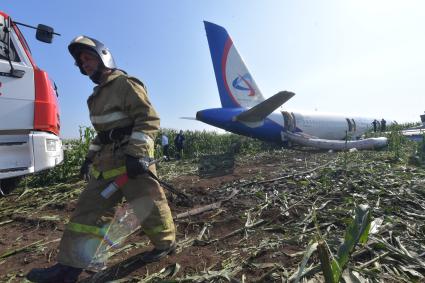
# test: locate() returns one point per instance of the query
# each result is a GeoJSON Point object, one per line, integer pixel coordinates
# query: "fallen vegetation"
{"type": "Point", "coordinates": [282, 216]}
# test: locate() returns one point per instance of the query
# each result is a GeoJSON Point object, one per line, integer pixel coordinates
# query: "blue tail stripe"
{"type": "Point", "coordinates": [223, 118]}
{"type": "Point", "coordinates": [217, 38]}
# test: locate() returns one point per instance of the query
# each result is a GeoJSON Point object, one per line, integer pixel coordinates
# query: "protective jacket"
{"type": "Point", "coordinates": [120, 102]}
{"type": "Point", "coordinates": [118, 105]}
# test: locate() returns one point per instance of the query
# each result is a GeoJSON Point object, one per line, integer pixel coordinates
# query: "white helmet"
{"type": "Point", "coordinates": [93, 46]}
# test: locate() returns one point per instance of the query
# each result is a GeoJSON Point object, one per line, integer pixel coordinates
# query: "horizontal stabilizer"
{"type": "Point", "coordinates": [255, 116]}
{"type": "Point", "coordinates": [188, 118]}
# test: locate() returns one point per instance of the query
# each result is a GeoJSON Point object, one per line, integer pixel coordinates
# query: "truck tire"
{"type": "Point", "coordinates": [8, 185]}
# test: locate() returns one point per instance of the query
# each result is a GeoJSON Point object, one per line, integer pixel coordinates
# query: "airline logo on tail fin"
{"type": "Point", "coordinates": [244, 83]}
{"type": "Point", "coordinates": [235, 84]}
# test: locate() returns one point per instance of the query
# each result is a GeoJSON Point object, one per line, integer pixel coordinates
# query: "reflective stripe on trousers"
{"type": "Point", "coordinates": [155, 230]}
{"type": "Point", "coordinates": [87, 229]}
{"type": "Point", "coordinates": [108, 174]}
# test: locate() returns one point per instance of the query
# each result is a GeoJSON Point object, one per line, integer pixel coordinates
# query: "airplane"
{"type": "Point", "coordinates": [417, 133]}
{"type": "Point", "coordinates": [245, 111]}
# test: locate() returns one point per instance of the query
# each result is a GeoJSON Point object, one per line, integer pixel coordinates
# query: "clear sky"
{"type": "Point", "coordinates": [354, 57]}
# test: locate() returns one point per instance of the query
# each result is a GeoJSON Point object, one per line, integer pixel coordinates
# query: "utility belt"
{"type": "Point", "coordinates": [114, 135]}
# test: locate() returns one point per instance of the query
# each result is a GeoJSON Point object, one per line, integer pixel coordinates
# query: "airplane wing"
{"type": "Point", "coordinates": [254, 116]}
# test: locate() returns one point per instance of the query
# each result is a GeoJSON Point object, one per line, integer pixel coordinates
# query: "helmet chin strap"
{"type": "Point", "coordinates": [97, 75]}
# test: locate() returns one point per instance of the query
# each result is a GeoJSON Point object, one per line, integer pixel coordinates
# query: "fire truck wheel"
{"type": "Point", "coordinates": [8, 185]}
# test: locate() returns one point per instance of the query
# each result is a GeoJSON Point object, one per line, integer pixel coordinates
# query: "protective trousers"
{"type": "Point", "coordinates": [89, 226]}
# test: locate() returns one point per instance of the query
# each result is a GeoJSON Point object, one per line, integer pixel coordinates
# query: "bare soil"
{"type": "Point", "coordinates": [251, 252]}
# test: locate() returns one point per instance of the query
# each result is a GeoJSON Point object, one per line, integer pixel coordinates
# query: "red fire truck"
{"type": "Point", "coordinates": [29, 112]}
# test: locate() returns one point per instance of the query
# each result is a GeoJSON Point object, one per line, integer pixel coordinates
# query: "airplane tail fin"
{"type": "Point", "coordinates": [236, 86]}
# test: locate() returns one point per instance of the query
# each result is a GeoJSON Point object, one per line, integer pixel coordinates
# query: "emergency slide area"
{"type": "Point", "coordinates": [370, 143]}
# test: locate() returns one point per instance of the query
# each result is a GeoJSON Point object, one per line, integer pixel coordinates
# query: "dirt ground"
{"type": "Point", "coordinates": [226, 244]}
{"type": "Point", "coordinates": [25, 230]}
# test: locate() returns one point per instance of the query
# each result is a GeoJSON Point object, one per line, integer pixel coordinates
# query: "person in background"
{"type": "Point", "coordinates": [374, 124]}
{"type": "Point", "coordinates": [383, 125]}
{"type": "Point", "coordinates": [165, 146]}
{"type": "Point", "coordinates": [126, 124]}
{"type": "Point", "coordinates": [179, 144]}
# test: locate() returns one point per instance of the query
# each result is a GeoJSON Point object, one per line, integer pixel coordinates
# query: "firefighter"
{"type": "Point", "coordinates": [126, 125]}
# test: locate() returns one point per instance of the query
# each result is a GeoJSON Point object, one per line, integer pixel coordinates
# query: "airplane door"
{"type": "Point", "coordinates": [288, 121]}
{"type": "Point", "coordinates": [350, 125]}
{"type": "Point", "coordinates": [354, 125]}
{"type": "Point", "coordinates": [16, 94]}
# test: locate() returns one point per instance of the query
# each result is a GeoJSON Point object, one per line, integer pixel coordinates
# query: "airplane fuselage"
{"type": "Point", "coordinates": [319, 125]}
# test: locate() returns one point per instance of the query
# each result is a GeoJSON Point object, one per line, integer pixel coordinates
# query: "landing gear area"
{"type": "Point", "coordinates": [8, 185]}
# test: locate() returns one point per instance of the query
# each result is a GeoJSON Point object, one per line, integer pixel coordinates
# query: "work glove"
{"type": "Point", "coordinates": [136, 166]}
{"type": "Point", "coordinates": [85, 169]}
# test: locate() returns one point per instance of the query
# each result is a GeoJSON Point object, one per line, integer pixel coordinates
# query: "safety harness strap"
{"type": "Point", "coordinates": [114, 135]}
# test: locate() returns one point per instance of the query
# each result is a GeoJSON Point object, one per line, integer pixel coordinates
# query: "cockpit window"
{"type": "Point", "coordinates": [4, 38]}
{"type": "Point", "coordinates": [3, 52]}
{"type": "Point", "coordinates": [2, 26]}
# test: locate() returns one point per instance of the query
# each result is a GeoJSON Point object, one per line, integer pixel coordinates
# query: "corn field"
{"type": "Point", "coordinates": [197, 143]}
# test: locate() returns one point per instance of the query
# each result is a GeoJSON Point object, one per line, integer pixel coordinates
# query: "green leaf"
{"type": "Point", "coordinates": [356, 232]}
{"type": "Point", "coordinates": [310, 249]}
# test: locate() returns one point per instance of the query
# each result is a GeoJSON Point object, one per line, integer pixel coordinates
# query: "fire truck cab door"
{"type": "Point", "coordinates": [17, 94]}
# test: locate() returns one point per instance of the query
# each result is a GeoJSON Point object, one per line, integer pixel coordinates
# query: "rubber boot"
{"type": "Point", "coordinates": [157, 254]}
{"type": "Point", "coordinates": [57, 273]}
